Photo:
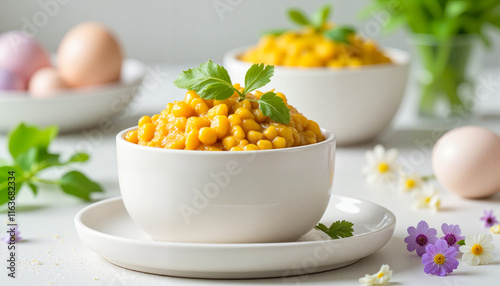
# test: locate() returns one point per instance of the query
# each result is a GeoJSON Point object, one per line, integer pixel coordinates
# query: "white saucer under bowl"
{"type": "Point", "coordinates": [106, 228]}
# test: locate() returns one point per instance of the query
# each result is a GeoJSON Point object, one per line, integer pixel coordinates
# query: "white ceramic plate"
{"type": "Point", "coordinates": [106, 228]}
{"type": "Point", "coordinates": [72, 109]}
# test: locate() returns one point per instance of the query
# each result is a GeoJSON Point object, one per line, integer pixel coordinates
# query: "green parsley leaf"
{"type": "Point", "coordinates": [3, 162]}
{"type": "Point", "coordinates": [461, 242]}
{"type": "Point", "coordinates": [299, 17]}
{"type": "Point", "coordinates": [47, 159]}
{"type": "Point", "coordinates": [27, 159]}
{"type": "Point", "coordinates": [274, 32]}
{"type": "Point", "coordinates": [210, 81]}
{"type": "Point", "coordinates": [338, 229]}
{"type": "Point", "coordinates": [321, 16]}
{"type": "Point", "coordinates": [33, 188]}
{"type": "Point", "coordinates": [274, 107]}
{"type": "Point", "coordinates": [78, 157]}
{"type": "Point", "coordinates": [257, 76]}
{"type": "Point", "coordinates": [25, 137]}
{"type": "Point", "coordinates": [77, 184]}
{"type": "Point", "coordinates": [29, 146]}
{"type": "Point", "coordinates": [340, 34]}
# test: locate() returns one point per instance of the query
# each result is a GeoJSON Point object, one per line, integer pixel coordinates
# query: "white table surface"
{"type": "Point", "coordinates": [52, 254]}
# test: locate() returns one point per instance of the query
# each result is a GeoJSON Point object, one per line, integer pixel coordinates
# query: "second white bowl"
{"type": "Point", "coordinates": [355, 104]}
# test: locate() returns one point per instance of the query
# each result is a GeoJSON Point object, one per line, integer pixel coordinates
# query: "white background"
{"type": "Point", "coordinates": [192, 31]}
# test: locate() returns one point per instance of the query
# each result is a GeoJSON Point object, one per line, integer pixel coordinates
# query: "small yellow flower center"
{"type": "Point", "coordinates": [383, 167]}
{"type": "Point", "coordinates": [410, 184]}
{"type": "Point", "coordinates": [439, 259]}
{"type": "Point", "coordinates": [427, 200]}
{"type": "Point", "coordinates": [477, 249]}
{"type": "Point", "coordinates": [380, 275]}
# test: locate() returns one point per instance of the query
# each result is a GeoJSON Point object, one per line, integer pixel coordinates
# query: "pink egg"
{"type": "Point", "coordinates": [22, 54]}
{"type": "Point", "coordinates": [11, 81]}
{"type": "Point", "coordinates": [46, 82]}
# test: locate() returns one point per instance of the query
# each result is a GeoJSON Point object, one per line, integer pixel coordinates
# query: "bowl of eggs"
{"type": "Point", "coordinates": [352, 86]}
{"type": "Point", "coordinates": [87, 81]}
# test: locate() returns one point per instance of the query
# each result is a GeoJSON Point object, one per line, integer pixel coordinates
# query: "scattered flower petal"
{"type": "Point", "coordinates": [427, 197]}
{"type": "Point", "coordinates": [12, 238]}
{"type": "Point", "coordinates": [381, 166]}
{"type": "Point", "coordinates": [420, 237]}
{"type": "Point", "coordinates": [489, 219]}
{"type": "Point", "coordinates": [368, 280]}
{"type": "Point", "coordinates": [439, 258]}
{"type": "Point", "coordinates": [495, 229]}
{"type": "Point", "coordinates": [410, 182]}
{"type": "Point", "coordinates": [452, 234]}
{"type": "Point", "coordinates": [477, 249]}
{"type": "Point", "coordinates": [380, 278]}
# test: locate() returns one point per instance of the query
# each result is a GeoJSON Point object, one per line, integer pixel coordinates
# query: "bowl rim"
{"type": "Point", "coordinates": [400, 58]}
{"type": "Point", "coordinates": [120, 139]}
{"type": "Point", "coordinates": [21, 96]}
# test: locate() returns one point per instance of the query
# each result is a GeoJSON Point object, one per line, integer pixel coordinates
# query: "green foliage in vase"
{"type": "Point", "coordinates": [444, 32]}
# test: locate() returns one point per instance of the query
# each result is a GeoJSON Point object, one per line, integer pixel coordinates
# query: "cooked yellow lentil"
{"type": "Point", "coordinates": [222, 125]}
{"type": "Point", "coordinates": [309, 48]}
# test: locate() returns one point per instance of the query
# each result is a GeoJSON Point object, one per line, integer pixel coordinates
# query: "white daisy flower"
{"type": "Point", "coordinates": [381, 166]}
{"type": "Point", "coordinates": [380, 278]}
{"type": "Point", "coordinates": [410, 182]}
{"type": "Point", "coordinates": [427, 197]}
{"type": "Point", "coordinates": [477, 249]}
{"type": "Point", "coordinates": [495, 229]}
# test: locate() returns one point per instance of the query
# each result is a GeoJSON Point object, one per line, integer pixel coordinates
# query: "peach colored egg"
{"type": "Point", "coordinates": [466, 161]}
{"type": "Point", "coordinates": [46, 82]}
{"type": "Point", "coordinates": [89, 54]}
{"type": "Point", "coordinates": [22, 54]}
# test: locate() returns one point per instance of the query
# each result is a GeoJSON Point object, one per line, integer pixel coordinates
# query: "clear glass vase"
{"type": "Point", "coordinates": [446, 70]}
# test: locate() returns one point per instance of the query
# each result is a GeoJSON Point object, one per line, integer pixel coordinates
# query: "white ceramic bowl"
{"type": "Point", "coordinates": [226, 197]}
{"type": "Point", "coordinates": [355, 104]}
{"type": "Point", "coordinates": [72, 109]}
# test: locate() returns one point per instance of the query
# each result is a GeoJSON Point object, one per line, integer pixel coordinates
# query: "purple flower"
{"type": "Point", "coordinates": [420, 237]}
{"type": "Point", "coordinates": [489, 219]}
{"type": "Point", "coordinates": [439, 258]}
{"type": "Point", "coordinates": [452, 235]}
{"type": "Point", "coordinates": [12, 238]}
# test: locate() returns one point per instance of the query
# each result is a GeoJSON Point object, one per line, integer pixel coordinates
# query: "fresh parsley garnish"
{"type": "Point", "coordinates": [212, 81]}
{"type": "Point", "coordinates": [340, 34]}
{"type": "Point", "coordinates": [29, 148]}
{"type": "Point", "coordinates": [318, 21]}
{"type": "Point", "coordinates": [338, 229]}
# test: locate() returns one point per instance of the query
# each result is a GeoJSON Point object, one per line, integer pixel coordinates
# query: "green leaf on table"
{"type": "Point", "coordinates": [33, 188]}
{"type": "Point", "coordinates": [340, 34]}
{"type": "Point", "coordinates": [338, 229]}
{"type": "Point", "coordinates": [273, 106]}
{"type": "Point", "coordinates": [209, 80]}
{"type": "Point", "coordinates": [78, 157]}
{"type": "Point", "coordinates": [321, 16]}
{"type": "Point", "coordinates": [27, 159]}
{"type": "Point", "coordinates": [257, 76]}
{"type": "Point", "coordinates": [3, 162]}
{"type": "Point", "coordinates": [5, 173]}
{"type": "Point", "coordinates": [48, 159]}
{"type": "Point", "coordinates": [25, 137]}
{"type": "Point", "coordinates": [77, 184]}
{"type": "Point", "coordinates": [299, 17]}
